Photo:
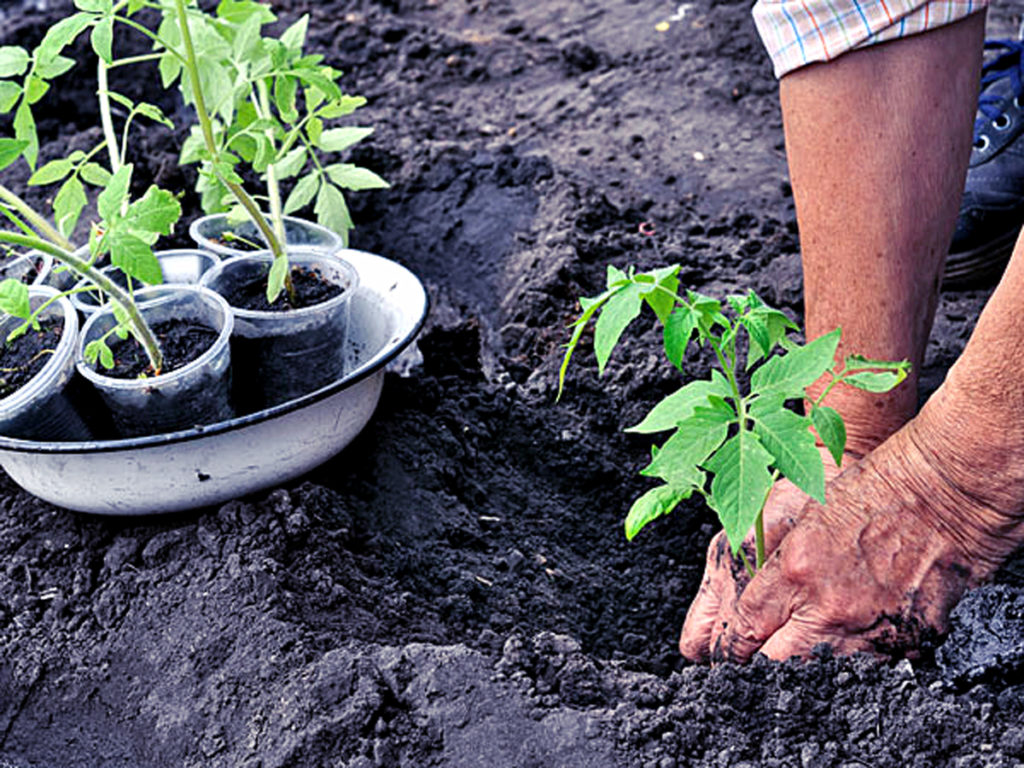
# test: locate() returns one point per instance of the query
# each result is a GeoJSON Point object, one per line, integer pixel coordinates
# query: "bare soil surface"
{"type": "Point", "coordinates": [454, 589]}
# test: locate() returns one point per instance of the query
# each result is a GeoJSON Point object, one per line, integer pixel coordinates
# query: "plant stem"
{"type": "Point", "coordinates": [140, 329]}
{"type": "Point", "coordinates": [746, 563]}
{"type": "Point", "coordinates": [273, 188]}
{"type": "Point", "coordinates": [206, 125]}
{"type": "Point", "coordinates": [41, 225]}
{"type": "Point", "coordinates": [106, 121]}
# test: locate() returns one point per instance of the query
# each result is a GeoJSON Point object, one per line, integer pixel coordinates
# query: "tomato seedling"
{"type": "Point", "coordinates": [747, 440]}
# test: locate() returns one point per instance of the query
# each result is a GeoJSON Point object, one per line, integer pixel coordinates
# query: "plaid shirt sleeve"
{"type": "Point", "coordinates": [801, 32]}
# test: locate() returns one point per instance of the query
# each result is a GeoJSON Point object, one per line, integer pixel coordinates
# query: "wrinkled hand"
{"type": "Point", "coordinates": [906, 531]}
{"type": "Point", "coordinates": [725, 577]}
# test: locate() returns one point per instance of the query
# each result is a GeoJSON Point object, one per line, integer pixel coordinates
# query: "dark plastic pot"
{"type": "Point", "coordinates": [280, 356]}
{"type": "Point", "coordinates": [198, 393]}
{"type": "Point", "coordinates": [43, 408]}
{"type": "Point", "coordinates": [209, 233]}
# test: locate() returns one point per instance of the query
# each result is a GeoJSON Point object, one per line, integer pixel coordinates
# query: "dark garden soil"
{"type": "Point", "coordinates": [181, 342]}
{"type": "Point", "coordinates": [310, 288]}
{"type": "Point", "coordinates": [454, 589]}
{"type": "Point", "coordinates": [24, 357]}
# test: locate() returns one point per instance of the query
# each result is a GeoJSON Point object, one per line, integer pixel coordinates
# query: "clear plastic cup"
{"type": "Point", "coordinates": [280, 356]}
{"type": "Point", "coordinates": [195, 394]}
{"type": "Point", "coordinates": [209, 233]}
{"type": "Point", "coordinates": [42, 409]}
{"type": "Point", "coordinates": [31, 268]}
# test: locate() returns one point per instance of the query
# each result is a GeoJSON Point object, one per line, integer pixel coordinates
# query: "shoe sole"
{"type": "Point", "coordinates": [982, 266]}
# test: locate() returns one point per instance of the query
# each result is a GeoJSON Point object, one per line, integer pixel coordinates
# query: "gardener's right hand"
{"type": "Point", "coordinates": [725, 576]}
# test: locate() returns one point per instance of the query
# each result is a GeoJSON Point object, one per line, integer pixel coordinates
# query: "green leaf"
{"type": "Point", "coordinates": [276, 278]}
{"type": "Point", "coordinates": [295, 36]}
{"type": "Point", "coordinates": [615, 277]}
{"type": "Point", "coordinates": [237, 11]}
{"type": "Point", "coordinates": [170, 67]}
{"type": "Point", "coordinates": [619, 311]}
{"type": "Point", "coordinates": [663, 301]}
{"type": "Point", "coordinates": [831, 429]}
{"type": "Point", "coordinates": [355, 178]}
{"type": "Point", "coordinates": [291, 163]}
{"type": "Point", "coordinates": [285, 92]}
{"type": "Point", "coordinates": [302, 194]}
{"type": "Point", "coordinates": [861, 363]}
{"type": "Point", "coordinates": [25, 130]}
{"type": "Point", "coordinates": [740, 485]}
{"type": "Point", "coordinates": [154, 113]}
{"type": "Point", "coordinates": [95, 6]}
{"type": "Point", "coordinates": [317, 79]}
{"type": "Point", "coordinates": [652, 505]}
{"type": "Point", "coordinates": [55, 67]}
{"type": "Point", "coordinates": [789, 374]}
{"type": "Point", "coordinates": [10, 150]}
{"type": "Point", "coordinates": [35, 89]}
{"type": "Point", "coordinates": [109, 201]}
{"type": "Point", "coordinates": [9, 95]}
{"type": "Point", "coordinates": [14, 298]}
{"type": "Point", "coordinates": [589, 306]}
{"type": "Point", "coordinates": [95, 174]}
{"type": "Point", "coordinates": [61, 34]}
{"type": "Point", "coordinates": [68, 205]}
{"type": "Point", "coordinates": [339, 139]}
{"type": "Point", "coordinates": [102, 39]}
{"type": "Point", "coordinates": [53, 171]}
{"type": "Point", "coordinates": [331, 210]}
{"type": "Point", "coordinates": [875, 381]}
{"type": "Point", "coordinates": [98, 350]}
{"type": "Point", "coordinates": [679, 459]}
{"type": "Point", "coordinates": [314, 128]}
{"type": "Point", "coordinates": [677, 334]}
{"type": "Point", "coordinates": [134, 257]}
{"type": "Point", "coordinates": [14, 60]}
{"type": "Point", "coordinates": [788, 438]}
{"type": "Point", "coordinates": [156, 212]}
{"type": "Point", "coordinates": [680, 404]}
{"type": "Point", "coordinates": [341, 106]}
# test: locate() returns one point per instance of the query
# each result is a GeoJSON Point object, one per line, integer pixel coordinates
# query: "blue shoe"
{"type": "Point", "coordinates": [992, 208]}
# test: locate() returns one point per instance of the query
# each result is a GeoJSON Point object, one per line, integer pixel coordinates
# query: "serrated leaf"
{"type": "Point", "coordinates": [787, 437]}
{"type": "Point", "coordinates": [10, 150]}
{"type": "Point", "coordinates": [872, 381]}
{"type": "Point", "coordinates": [332, 211]}
{"type": "Point", "coordinates": [680, 404]}
{"type": "Point", "coordinates": [51, 172]}
{"type": "Point", "coordinates": [170, 67]}
{"type": "Point", "coordinates": [295, 36]}
{"type": "Point", "coordinates": [661, 296]}
{"type": "Point", "coordinates": [740, 485]}
{"type": "Point", "coordinates": [154, 213]}
{"type": "Point", "coordinates": [789, 374]}
{"type": "Point", "coordinates": [652, 505]}
{"type": "Point", "coordinates": [154, 113]}
{"type": "Point", "coordinates": [14, 298]}
{"type": "Point", "coordinates": [135, 258]}
{"type": "Point", "coordinates": [341, 106]}
{"type": "Point", "coordinates": [355, 178]}
{"type": "Point", "coordinates": [340, 139]}
{"type": "Point", "coordinates": [48, 69]}
{"type": "Point", "coordinates": [68, 205]}
{"type": "Point", "coordinates": [677, 334]}
{"type": "Point", "coordinates": [698, 436]}
{"type": "Point", "coordinates": [276, 278]}
{"type": "Point", "coordinates": [61, 34]}
{"type": "Point", "coordinates": [35, 89]}
{"type": "Point", "coordinates": [14, 60]}
{"type": "Point", "coordinates": [98, 351]}
{"type": "Point", "coordinates": [102, 39]}
{"type": "Point", "coordinates": [291, 163]}
{"type": "Point", "coordinates": [237, 11]}
{"type": "Point", "coordinates": [618, 312]}
{"type": "Point", "coordinates": [831, 429]}
{"type": "Point", "coordinates": [302, 194]}
{"type": "Point", "coordinates": [109, 201]}
{"type": "Point", "coordinates": [95, 174]}
{"type": "Point", "coordinates": [615, 277]}
{"type": "Point", "coordinates": [9, 95]}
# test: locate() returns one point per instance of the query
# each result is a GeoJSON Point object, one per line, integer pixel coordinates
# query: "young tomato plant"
{"type": "Point", "coordinates": [263, 102]}
{"type": "Point", "coordinates": [745, 440]}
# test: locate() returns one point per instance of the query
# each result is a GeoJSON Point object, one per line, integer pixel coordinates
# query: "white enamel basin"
{"type": "Point", "coordinates": [203, 466]}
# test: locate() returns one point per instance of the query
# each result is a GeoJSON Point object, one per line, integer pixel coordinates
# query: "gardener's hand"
{"type": "Point", "coordinates": [906, 531]}
{"type": "Point", "coordinates": [725, 577]}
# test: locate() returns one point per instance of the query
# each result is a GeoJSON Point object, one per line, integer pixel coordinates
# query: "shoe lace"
{"type": "Point", "coordinates": [1008, 64]}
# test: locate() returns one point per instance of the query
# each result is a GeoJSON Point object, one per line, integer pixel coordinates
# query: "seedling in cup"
{"type": "Point", "coordinates": [728, 445]}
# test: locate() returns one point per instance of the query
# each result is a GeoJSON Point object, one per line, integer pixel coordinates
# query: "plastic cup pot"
{"type": "Point", "coordinates": [63, 278]}
{"type": "Point", "coordinates": [31, 268]}
{"type": "Point", "coordinates": [228, 238]}
{"type": "Point", "coordinates": [197, 393]}
{"type": "Point", "coordinates": [282, 355]}
{"type": "Point", "coordinates": [43, 408]}
{"type": "Point", "coordinates": [184, 266]}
